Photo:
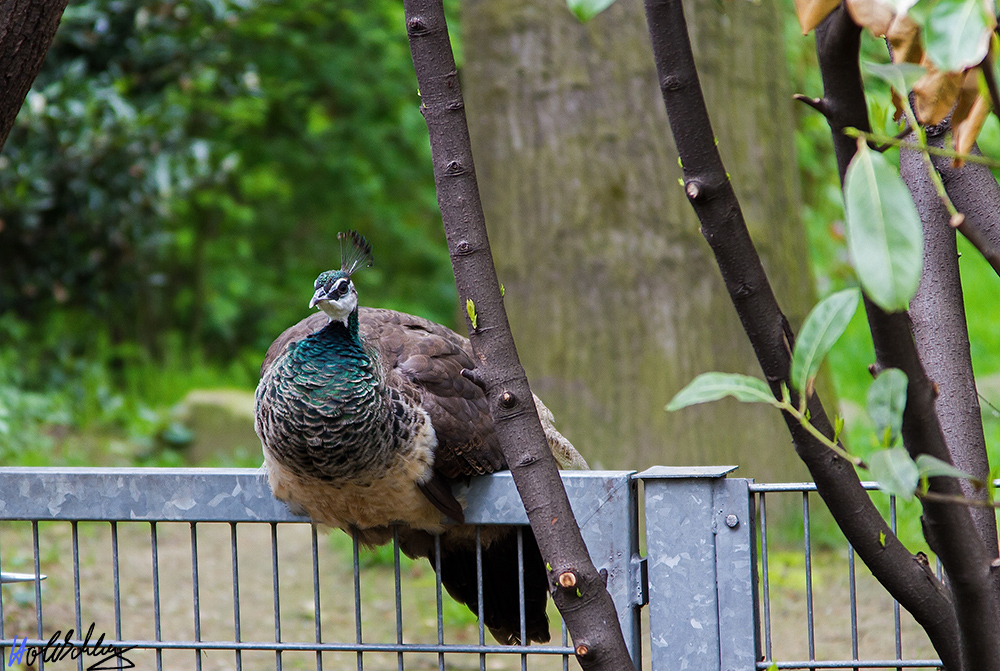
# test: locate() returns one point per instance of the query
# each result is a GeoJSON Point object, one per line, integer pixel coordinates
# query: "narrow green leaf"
{"type": "Point", "coordinates": [932, 467]}
{"type": "Point", "coordinates": [838, 427]}
{"type": "Point", "coordinates": [895, 471]}
{"type": "Point", "coordinates": [884, 234]}
{"type": "Point", "coordinates": [824, 325]}
{"type": "Point", "coordinates": [881, 538]}
{"type": "Point", "coordinates": [900, 76]}
{"type": "Point", "coordinates": [713, 386]}
{"type": "Point", "coordinates": [502, 290]}
{"type": "Point", "coordinates": [886, 402]}
{"type": "Point", "coordinates": [957, 33]}
{"type": "Point", "coordinates": [585, 10]}
{"type": "Point", "coordinates": [470, 308]}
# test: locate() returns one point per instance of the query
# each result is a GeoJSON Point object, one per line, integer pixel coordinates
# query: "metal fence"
{"type": "Point", "coordinates": [203, 569]}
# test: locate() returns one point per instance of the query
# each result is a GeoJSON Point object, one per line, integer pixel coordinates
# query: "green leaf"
{"type": "Point", "coordinates": [901, 76]}
{"type": "Point", "coordinates": [713, 386]}
{"type": "Point", "coordinates": [932, 467]}
{"type": "Point", "coordinates": [957, 33]}
{"type": "Point", "coordinates": [884, 234]}
{"type": "Point", "coordinates": [824, 325]}
{"type": "Point", "coordinates": [470, 308]}
{"type": "Point", "coordinates": [886, 402]}
{"type": "Point", "coordinates": [881, 538]}
{"type": "Point", "coordinates": [585, 10]}
{"type": "Point", "coordinates": [895, 471]}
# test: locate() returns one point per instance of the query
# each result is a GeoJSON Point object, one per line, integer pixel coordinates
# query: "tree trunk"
{"type": "Point", "coordinates": [611, 291]}
{"type": "Point", "coordinates": [26, 31]}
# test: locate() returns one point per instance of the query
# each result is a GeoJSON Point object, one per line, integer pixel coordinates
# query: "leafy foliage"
{"type": "Point", "coordinates": [185, 166]}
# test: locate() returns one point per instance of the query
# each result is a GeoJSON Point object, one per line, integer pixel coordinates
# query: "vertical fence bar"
{"type": "Point", "coordinates": [895, 604]}
{"type": "Point", "coordinates": [810, 624]}
{"type": "Point", "coordinates": [764, 576]}
{"type": "Point", "coordinates": [156, 592]}
{"type": "Point", "coordinates": [77, 605]}
{"type": "Point", "coordinates": [117, 583]}
{"type": "Point", "coordinates": [357, 597]}
{"type": "Point", "coordinates": [3, 658]}
{"type": "Point", "coordinates": [852, 580]}
{"type": "Point", "coordinates": [38, 585]}
{"type": "Point", "coordinates": [274, 587]}
{"type": "Point", "coordinates": [236, 593]}
{"type": "Point", "coordinates": [398, 595]}
{"type": "Point", "coordinates": [196, 594]}
{"type": "Point", "coordinates": [317, 610]}
{"type": "Point", "coordinates": [437, 595]}
{"type": "Point", "coordinates": [520, 596]}
{"type": "Point", "coordinates": [479, 595]}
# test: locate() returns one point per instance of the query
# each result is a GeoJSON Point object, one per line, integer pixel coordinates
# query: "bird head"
{"type": "Point", "coordinates": [335, 293]}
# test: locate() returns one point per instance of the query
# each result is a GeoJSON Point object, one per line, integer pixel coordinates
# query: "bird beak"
{"type": "Point", "coordinates": [320, 295]}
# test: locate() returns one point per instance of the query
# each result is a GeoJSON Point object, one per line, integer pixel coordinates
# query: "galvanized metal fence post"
{"type": "Point", "coordinates": [701, 556]}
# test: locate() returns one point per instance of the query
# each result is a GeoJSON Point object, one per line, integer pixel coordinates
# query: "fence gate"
{"type": "Point", "coordinates": [203, 569]}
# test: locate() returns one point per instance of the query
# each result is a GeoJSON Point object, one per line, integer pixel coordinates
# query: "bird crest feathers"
{"type": "Point", "coordinates": [357, 254]}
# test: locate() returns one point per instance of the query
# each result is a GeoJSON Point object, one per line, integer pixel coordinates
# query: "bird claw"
{"type": "Point", "coordinates": [474, 377]}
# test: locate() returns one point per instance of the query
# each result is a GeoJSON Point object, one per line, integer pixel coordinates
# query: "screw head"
{"type": "Point", "coordinates": [507, 400]}
{"type": "Point", "coordinates": [732, 521]}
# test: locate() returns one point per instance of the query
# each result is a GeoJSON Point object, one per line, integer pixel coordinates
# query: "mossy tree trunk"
{"type": "Point", "coordinates": [614, 297]}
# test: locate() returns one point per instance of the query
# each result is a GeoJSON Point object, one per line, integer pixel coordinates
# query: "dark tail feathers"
{"type": "Point", "coordinates": [501, 609]}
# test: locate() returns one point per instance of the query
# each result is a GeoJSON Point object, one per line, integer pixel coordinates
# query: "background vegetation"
{"type": "Point", "coordinates": [175, 182]}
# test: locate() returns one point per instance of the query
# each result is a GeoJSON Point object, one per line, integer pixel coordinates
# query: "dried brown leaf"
{"type": "Point", "coordinates": [966, 97]}
{"type": "Point", "coordinates": [904, 37]}
{"type": "Point", "coordinates": [812, 12]}
{"type": "Point", "coordinates": [874, 15]}
{"type": "Point", "coordinates": [964, 134]}
{"type": "Point", "coordinates": [935, 94]}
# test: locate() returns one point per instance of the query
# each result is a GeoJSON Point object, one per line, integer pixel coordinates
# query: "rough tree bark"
{"type": "Point", "coordinates": [712, 196]}
{"type": "Point", "coordinates": [942, 335]}
{"type": "Point", "coordinates": [26, 31]}
{"type": "Point", "coordinates": [610, 290]}
{"type": "Point", "coordinates": [948, 527]}
{"type": "Point", "coordinates": [578, 590]}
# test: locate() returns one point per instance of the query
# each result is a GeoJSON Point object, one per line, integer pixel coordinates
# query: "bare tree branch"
{"type": "Point", "coordinates": [26, 31]}
{"type": "Point", "coordinates": [942, 336]}
{"type": "Point", "coordinates": [723, 226]}
{"type": "Point", "coordinates": [585, 605]}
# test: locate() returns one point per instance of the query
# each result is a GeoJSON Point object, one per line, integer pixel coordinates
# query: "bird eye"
{"type": "Point", "coordinates": [341, 287]}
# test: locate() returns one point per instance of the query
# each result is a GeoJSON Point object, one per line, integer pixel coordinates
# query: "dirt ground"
{"type": "Point", "coordinates": [297, 604]}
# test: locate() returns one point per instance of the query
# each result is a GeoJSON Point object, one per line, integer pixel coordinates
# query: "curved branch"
{"type": "Point", "coordinates": [26, 31]}
{"type": "Point", "coordinates": [588, 610]}
{"type": "Point", "coordinates": [723, 226]}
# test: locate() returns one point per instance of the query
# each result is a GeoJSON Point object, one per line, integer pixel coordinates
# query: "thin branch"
{"type": "Point", "coordinates": [587, 609]}
{"type": "Point", "coordinates": [714, 201]}
{"type": "Point", "coordinates": [897, 141]}
{"type": "Point", "coordinates": [815, 103]}
{"type": "Point", "coordinates": [959, 500]}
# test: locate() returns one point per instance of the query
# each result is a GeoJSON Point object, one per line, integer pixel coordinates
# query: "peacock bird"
{"type": "Point", "coordinates": [366, 420]}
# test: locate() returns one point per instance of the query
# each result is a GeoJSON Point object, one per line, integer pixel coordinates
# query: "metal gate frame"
{"type": "Point", "coordinates": [604, 504]}
{"type": "Point", "coordinates": [700, 574]}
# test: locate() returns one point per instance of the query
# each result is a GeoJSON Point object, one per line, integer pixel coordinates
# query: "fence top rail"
{"type": "Point", "coordinates": [242, 495]}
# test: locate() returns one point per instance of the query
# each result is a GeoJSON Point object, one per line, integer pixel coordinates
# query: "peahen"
{"type": "Point", "coordinates": [365, 420]}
